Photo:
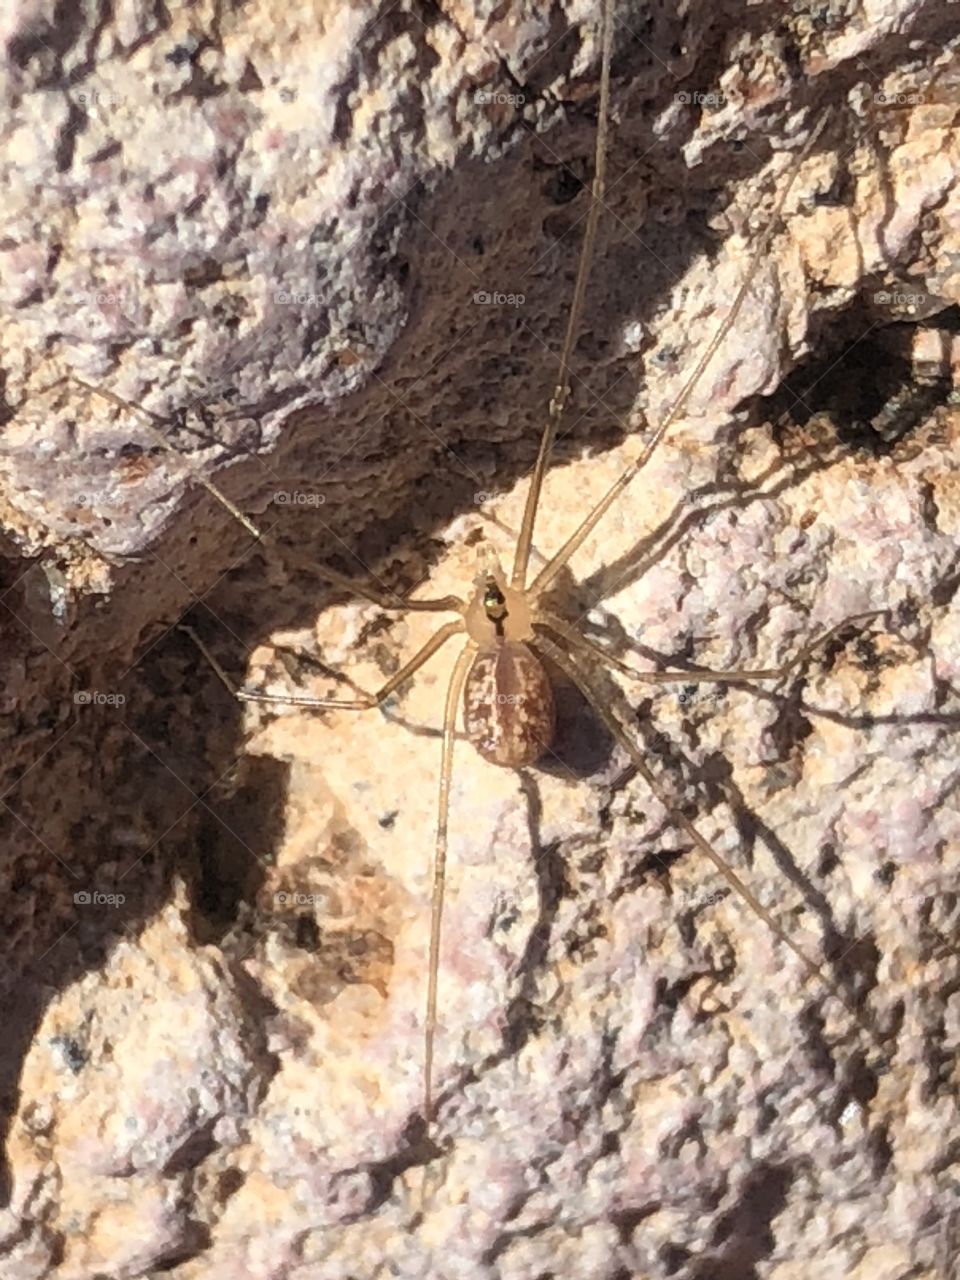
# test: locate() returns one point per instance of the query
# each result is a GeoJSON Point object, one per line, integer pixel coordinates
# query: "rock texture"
{"type": "Point", "coordinates": [336, 246]}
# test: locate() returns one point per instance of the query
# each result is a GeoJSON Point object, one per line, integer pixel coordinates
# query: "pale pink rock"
{"type": "Point", "coordinates": [219, 1077]}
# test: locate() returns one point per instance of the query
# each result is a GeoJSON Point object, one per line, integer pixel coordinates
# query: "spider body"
{"type": "Point", "coordinates": [508, 705]}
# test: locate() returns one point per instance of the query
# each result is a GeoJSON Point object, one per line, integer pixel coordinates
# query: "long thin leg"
{"type": "Point", "coordinates": [570, 665]}
{"type": "Point", "coordinates": [546, 575]}
{"type": "Point", "coordinates": [153, 423]}
{"type": "Point", "coordinates": [365, 703]}
{"type": "Point", "coordinates": [444, 605]}
{"type": "Point", "coordinates": [454, 691]}
{"type": "Point", "coordinates": [698, 675]}
{"type": "Point", "coordinates": [518, 577]}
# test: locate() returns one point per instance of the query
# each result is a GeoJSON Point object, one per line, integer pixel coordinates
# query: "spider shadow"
{"type": "Point", "coordinates": [223, 844]}
{"type": "Point", "coordinates": [855, 958]}
{"type": "Point", "coordinates": [582, 748]}
{"type": "Point", "coordinates": [789, 470]}
{"type": "Point", "coordinates": [708, 785]}
{"type": "Point", "coordinates": [589, 748]}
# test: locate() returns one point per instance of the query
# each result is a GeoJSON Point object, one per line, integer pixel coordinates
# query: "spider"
{"type": "Point", "coordinates": [509, 621]}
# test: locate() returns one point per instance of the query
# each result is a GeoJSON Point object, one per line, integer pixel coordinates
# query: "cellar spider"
{"type": "Point", "coordinates": [509, 621]}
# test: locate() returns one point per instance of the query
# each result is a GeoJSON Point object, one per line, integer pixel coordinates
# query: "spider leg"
{"type": "Point", "coordinates": [553, 566]}
{"type": "Point", "coordinates": [569, 663]}
{"type": "Point", "coordinates": [365, 703]}
{"type": "Point", "coordinates": [454, 692]}
{"type": "Point", "coordinates": [154, 423]}
{"type": "Point", "coordinates": [384, 599]}
{"type": "Point", "coordinates": [561, 391]}
{"type": "Point", "coordinates": [698, 675]}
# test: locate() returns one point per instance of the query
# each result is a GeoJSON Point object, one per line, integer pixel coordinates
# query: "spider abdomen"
{"type": "Point", "coordinates": [508, 707]}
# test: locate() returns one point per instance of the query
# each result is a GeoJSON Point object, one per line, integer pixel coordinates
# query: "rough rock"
{"type": "Point", "coordinates": [217, 918]}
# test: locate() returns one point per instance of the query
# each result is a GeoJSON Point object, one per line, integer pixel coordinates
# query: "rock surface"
{"type": "Point", "coordinates": [217, 919]}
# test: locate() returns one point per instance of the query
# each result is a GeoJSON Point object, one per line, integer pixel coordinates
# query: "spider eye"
{"type": "Point", "coordinates": [493, 597]}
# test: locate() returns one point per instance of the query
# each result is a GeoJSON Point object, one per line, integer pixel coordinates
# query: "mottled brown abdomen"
{"type": "Point", "coordinates": [508, 706]}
